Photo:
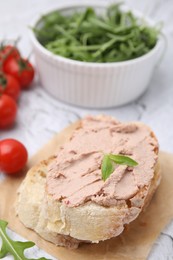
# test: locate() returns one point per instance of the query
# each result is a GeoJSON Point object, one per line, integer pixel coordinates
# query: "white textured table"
{"type": "Point", "coordinates": [40, 116]}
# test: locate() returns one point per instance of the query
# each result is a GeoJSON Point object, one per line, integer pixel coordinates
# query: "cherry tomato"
{"type": "Point", "coordinates": [13, 156]}
{"type": "Point", "coordinates": [9, 86]}
{"type": "Point", "coordinates": [8, 51]}
{"type": "Point", "coordinates": [21, 69]}
{"type": "Point", "coordinates": [8, 111]}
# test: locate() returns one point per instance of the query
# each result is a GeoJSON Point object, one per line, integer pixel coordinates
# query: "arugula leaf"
{"type": "Point", "coordinates": [87, 36]}
{"type": "Point", "coordinates": [109, 161]}
{"type": "Point", "coordinates": [106, 167]}
{"type": "Point", "coordinates": [14, 248]}
{"type": "Point", "coordinates": [122, 159]}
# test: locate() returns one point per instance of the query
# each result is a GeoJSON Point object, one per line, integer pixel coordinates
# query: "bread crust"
{"type": "Point", "coordinates": [70, 226]}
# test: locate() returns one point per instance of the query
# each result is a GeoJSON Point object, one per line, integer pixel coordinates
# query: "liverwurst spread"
{"type": "Point", "coordinates": [74, 177]}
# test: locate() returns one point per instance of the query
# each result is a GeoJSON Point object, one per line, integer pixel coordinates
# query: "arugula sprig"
{"type": "Point", "coordinates": [110, 160]}
{"type": "Point", "coordinates": [14, 248]}
{"type": "Point", "coordinates": [87, 36]}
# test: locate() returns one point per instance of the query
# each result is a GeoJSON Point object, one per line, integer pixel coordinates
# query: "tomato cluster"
{"type": "Point", "coordinates": [16, 73]}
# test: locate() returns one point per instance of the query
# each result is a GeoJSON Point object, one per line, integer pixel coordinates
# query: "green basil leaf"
{"type": "Point", "coordinates": [122, 159]}
{"type": "Point", "coordinates": [107, 167]}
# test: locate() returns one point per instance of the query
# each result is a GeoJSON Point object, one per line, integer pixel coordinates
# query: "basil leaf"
{"type": "Point", "coordinates": [109, 161]}
{"type": "Point", "coordinates": [122, 159]}
{"type": "Point", "coordinates": [106, 167]}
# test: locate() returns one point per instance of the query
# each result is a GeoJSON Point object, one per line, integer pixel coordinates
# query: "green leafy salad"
{"type": "Point", "coordinates": [88, 36]}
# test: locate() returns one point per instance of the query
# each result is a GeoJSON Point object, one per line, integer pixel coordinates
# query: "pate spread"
{"type": "Point", "coordinates": [74, 177]}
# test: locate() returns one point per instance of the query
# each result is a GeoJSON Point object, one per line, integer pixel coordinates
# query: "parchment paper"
{"type": "Point", "coordinates": [135, 242]}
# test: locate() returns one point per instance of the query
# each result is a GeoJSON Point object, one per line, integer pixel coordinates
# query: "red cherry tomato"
{"type": "Point", "coordinates": [21, 69]}
{"type": "Point", "coordinates": [9, 86]}
{"type": "Point", "coordinates": [8, 111]}
{"type": "Point", "coordinates": [13, 156]}
{"type": "Point", "coordinates": [8, 51]}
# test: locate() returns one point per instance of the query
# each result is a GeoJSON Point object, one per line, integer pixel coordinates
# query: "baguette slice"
{"type": "Point", "coordinates": [87, 223]}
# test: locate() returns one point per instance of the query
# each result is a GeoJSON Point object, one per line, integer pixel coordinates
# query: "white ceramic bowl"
{"type": "Point", "coordinates": [94, 85]}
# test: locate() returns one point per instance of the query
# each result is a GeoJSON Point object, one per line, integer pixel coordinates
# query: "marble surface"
{"type": "Point", "coordinates": [41, 116]}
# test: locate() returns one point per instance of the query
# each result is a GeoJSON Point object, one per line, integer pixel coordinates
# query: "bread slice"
{"type": "Point", "coordinates": [70, 226]}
